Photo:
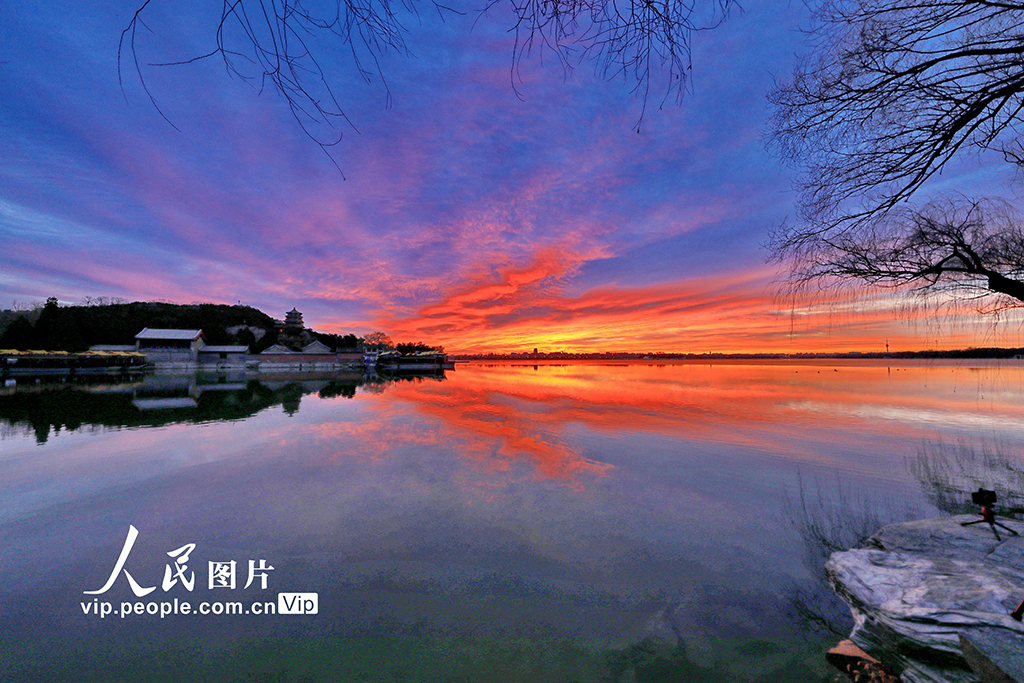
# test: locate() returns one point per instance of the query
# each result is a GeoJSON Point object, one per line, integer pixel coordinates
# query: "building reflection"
{"type": "Point", "coordinates": [48, 405]}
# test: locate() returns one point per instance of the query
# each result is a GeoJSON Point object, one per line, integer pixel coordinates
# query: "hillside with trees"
{"type": "Point", "coordinates": [75, 328]}
{"type": "Point", "coordinates": [53, 327]}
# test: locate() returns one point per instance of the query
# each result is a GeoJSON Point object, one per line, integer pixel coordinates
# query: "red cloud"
{"type": "Point", "coordinates": [516, 308]}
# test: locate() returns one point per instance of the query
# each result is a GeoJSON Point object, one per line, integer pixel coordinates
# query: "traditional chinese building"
{"type": "Point", "coordinates": [293, 325]}
{"type": "Point", "coordinates": [163, 345]}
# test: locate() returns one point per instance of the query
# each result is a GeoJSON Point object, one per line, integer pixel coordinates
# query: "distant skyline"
{"type": "Point", "coordinates": [467, 217]}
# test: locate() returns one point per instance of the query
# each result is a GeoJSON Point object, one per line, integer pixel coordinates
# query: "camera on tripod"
{"type": "Point", "coordinates": [984, 498]}
{"type": "Point", "coordinates": [987, 499]}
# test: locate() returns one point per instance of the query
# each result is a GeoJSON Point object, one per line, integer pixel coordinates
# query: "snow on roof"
{"type": "Point", "coordinates": [168, 334]}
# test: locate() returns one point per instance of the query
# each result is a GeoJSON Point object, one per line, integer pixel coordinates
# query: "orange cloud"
{"type": "Point", "coordinates": [493, 293]}
{"type": "Point", "coordinates": [518, 308]}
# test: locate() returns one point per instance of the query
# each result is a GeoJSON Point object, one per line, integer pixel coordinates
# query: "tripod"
{"type": "Point", "coordinates": [989, 515]}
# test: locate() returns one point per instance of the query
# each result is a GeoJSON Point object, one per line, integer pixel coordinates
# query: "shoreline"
{"type": "Point", "coordinates": [812, 362]}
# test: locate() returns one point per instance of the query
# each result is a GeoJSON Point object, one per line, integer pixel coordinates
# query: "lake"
{"type": "Point", "coordinates": [504, 522]}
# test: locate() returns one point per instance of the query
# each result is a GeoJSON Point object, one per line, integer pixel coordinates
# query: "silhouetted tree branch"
{"type": "Point", "coordinates": [273, 43]}
{"type": "Point", "coordinates": [276, 44]}
{"type": "Point", "coordinates": [630, 39]}
{"type": "Point", "coordinates": [969, 246]}
{"type": "Point", "coordinates": [891, 91]}
{"type": "Point", "coordinates": [378, 341]}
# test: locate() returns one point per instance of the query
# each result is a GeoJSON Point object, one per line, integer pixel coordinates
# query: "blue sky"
{"type": "Point", "coordinates": [468, 212]}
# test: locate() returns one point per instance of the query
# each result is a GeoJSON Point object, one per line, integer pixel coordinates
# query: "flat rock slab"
{"type": "Point", "coordinates": [994, 656]}
{"type": "Point", "coordinates": [916, 587]}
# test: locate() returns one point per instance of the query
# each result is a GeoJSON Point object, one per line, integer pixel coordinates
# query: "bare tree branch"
{"type": "Point", "coordinates": [275, 43]}
{"type": "Point", "coordinates": [630, 39]}
{"type": "Point", "coordinates": [955, 245]}
{"type": "Point", "coordinates": [270, 42]}
{"type": "Point", "coordinates": [891, 91]}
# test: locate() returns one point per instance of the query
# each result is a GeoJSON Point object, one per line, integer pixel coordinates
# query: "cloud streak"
{"type": "Point", "coordinates": [469, 217]}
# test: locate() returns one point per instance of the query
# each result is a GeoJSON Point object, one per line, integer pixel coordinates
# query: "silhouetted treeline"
{"type": "Point", "coordinates": [76, 328]}
{"type": "Point", "coordinates": [962, 353]}
{"type": "Point", "coordinates": [415, 347]}
{"type": "Point", "coordinates": [338, 341]}
{"type": "Point", "coordinates": [993, 353]}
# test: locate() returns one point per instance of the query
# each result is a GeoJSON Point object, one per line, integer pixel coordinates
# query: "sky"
{"type": "Point", "coordinates": [465, 205]}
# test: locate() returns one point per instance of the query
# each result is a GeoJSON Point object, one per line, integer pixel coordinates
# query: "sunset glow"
{"type": "Point", "coordinates": [740, 404]}
{"type": "Point", "coordinates": [470, 214]}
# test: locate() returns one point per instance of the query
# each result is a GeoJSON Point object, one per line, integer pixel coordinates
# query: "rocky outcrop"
{"type": "Point", "coordinates": [916, 588]}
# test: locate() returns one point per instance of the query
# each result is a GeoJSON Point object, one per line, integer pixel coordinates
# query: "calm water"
{"type": "Point", "coordinates": [507, 522]}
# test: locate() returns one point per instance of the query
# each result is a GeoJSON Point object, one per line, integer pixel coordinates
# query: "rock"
{"type": "Point", "coordinates": [916, 587]}
{"type": "Point", "coordinates": [995, 656]}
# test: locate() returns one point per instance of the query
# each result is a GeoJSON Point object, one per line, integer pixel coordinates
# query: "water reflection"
{"type": "Point", "coordinates": [949, 473]}
{"type": "Point", "coordinates": [49, 405]}
{"type": "Point", "coordinates": [830, 517]}
{"type": "Point", "coordinates": [607, 521]}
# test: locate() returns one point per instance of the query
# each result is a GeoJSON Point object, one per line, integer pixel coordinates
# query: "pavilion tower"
{"type": "Point", "coordinates": [293, 325]}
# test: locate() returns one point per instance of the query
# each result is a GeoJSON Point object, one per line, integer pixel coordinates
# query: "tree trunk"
{"type": "Point", "coordinates": [1005, 285]}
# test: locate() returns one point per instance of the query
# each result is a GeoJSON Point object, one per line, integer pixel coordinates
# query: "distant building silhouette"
{"type": "Point", "coordinates": [293, 323]}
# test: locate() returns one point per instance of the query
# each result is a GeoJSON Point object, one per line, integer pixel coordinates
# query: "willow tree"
{"type": "Point", "coordinates": [889, 94]}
